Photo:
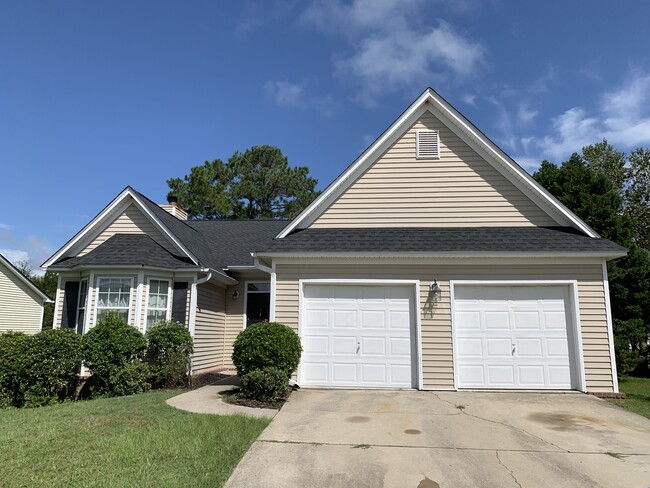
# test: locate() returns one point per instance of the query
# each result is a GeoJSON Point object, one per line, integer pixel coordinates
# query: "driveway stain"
{"type": "Point", "coordinates": [427, 483]}
{"type": "Point", "coordinates": [357, 419]}
{"type": "Point", "coordinates": [412, 431]}
{"type": "Point", "coordinates": [565, 421]}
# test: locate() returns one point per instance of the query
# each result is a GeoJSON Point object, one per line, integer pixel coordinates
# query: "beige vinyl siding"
{"type": "Point", "coordinates": [209, 327]}
{"type": "Point", "coordinates": [130, 221]}
{"type": "Point", "coordinates": [458, 190]}
{"type": "Point", "coordinates": [437, 358]}
{"type": "Point", "coordinates": [20, 308]}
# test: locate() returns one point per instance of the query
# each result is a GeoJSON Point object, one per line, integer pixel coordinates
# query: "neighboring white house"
{"type": "Point", "coordinates": [21, 302]}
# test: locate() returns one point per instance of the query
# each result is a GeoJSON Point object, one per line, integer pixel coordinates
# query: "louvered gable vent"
{"type": "Point", "coordinates": [427, 144]}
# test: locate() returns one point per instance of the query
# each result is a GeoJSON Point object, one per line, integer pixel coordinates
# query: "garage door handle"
{"type": "Point", "coordinates": [358, 347]}
{"type": "Point", "coordinates": [513, 348]}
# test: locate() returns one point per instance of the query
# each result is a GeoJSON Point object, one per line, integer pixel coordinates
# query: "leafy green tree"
{"type": "Point", "coordinates": [256, 184]}
{"type": "Point", "coordinates": [637, 194]}
{"type": "Point", "coordinates": [47, 283]}
{"type": "Point", "coordinates": [584, 186]}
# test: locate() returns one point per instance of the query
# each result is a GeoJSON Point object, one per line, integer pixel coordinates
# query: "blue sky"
{"type": "Point", "coordinates": [98, 95]}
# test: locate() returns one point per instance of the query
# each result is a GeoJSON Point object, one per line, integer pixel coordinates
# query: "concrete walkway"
{"type": "Point", "coordinates": [327, 438]}
{"type": "Point", "coordinates": [207, 400]}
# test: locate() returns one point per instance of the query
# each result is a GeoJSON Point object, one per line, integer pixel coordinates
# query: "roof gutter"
{"type": "Point", "coordinates": [450, 254]}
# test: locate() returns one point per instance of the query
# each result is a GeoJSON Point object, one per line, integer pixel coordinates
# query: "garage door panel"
{"type": "Point", "coordinates": [496, 320]}
{"type": "Point", "coordinates": [501, 375]}
{"type": "Point", "coordinates": [368, 330]}
{"type": "Point", "coordinates": [373, 319]}
{"type": "Point", "coordinates": [470, 347]}
{"type": "Point", "coordinates": [530, 348]}
{"type": "Point", "coordinates": [468, 320]}
{"type": "Point", "coordinates": [399, 320]}
{"type": "Point", "coordinates": [498, 347]}
{"type": "Point", "coordinates": [527, 320]}
{"type": "Point", "coordinates": [533, 319]}
{"type": "Point", "coordinates": [373, 346]}
{"type": "Point", "coordinates": [314, 344]}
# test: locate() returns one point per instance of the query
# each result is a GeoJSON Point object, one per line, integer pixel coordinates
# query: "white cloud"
{"type": "Point", "coordinates": [4, 226]}
{"type": "Point", "coordinates": [15, 256]}
{"type": "Point", "coordinates": [389, 51]}
{"type": "Point", "coordinates": [284, 93]}
{"type": "Point", "coordinates": [299, 95]}
{"type": "Point", "coordinates": [622, 116]}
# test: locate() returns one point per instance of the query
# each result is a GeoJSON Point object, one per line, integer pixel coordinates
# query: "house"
{"type": "Point", "coordinates": [21, 302]}
{"type": "Point", "coordinates": [433, 261]}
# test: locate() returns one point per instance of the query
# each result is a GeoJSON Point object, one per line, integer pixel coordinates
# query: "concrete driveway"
{"type": "Point", "coordinates": [327, 438]}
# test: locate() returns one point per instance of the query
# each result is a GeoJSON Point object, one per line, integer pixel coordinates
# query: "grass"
{"type": "Point", "coordinates": [121, 442]}
{"type": "Point", "coordinates": [637, 395]}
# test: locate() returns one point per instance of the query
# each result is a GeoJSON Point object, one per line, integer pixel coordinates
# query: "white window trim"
{"type": "Point", "coordinates": [97, 282]}
{"type": "Point", "coordinates": [574, 311]}
{"type": "Point", "coordinates": [334, 281]}
{"type": "Point", "coordinates": [255, 292]}
{"type": "Point", "coordinates": [170, 291]}
{"type": "Point", "coordinates": [79, 306]}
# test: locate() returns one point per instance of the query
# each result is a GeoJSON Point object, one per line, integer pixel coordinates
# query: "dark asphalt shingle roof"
{"type": "Point", "coordinates": [218, 244]}
{"type": "Point", "coordinates": [451, 239]}
{"type": "Point", "coordinates": [128, 250]}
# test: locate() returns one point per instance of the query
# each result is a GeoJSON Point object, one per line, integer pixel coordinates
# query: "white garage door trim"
{"type": "Point", "coordinates": [416, 312]}
{"type": "Point", "coordinates": [577, 361]}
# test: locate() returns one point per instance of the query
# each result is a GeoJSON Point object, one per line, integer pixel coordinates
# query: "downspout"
{"type": "Point", "coordinates": [193, 299]}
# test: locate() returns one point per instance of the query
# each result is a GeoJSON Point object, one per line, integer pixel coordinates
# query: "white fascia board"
{"type": "Point", "coordinates": [12, 269]}
{"type": "Point", "coordinates": [116, 206]}
{"type": "Point", "coordinates": [220, 277]}
{"type": "Point", "coordinates": [450, 254]}
{"type": "Point", "coordinates": [532, 189]}
{"type": "Point", "coordinates": [178, 244]}
{"type": "Point", "coordinates": [82, 267]}
{"type": "Point", "coordinates": [458, 124]}
{"type": "Point", "coordinates": [337, 186]}
{"type": "Point", "coordinates": [118, 200]}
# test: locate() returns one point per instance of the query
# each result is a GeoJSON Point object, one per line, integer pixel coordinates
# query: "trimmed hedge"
{"type": "Point", "coordinates": [265, 385]}
{"type": "Point", "coordinates": [267, 344]}
{"type": "Point", "coordinates": [40, 369]}
{"type": "Point", "coordinates": [169, 354]}
{"type": "Point", "coordinates": [53, 361]}
{"type": "Point", "coordinates": [109, 347]}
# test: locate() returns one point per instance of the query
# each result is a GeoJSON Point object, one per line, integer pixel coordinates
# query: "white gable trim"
{"type": "Point", "coordinates": [457, 123]}
{"type": "Point", "coordinates": [117, 206]}
{"type": "Point", "coordinates": [12, 269]}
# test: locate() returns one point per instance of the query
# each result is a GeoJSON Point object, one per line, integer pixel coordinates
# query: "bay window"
{"type": "Point", "coordinates": [114, 295]}
{"type": "Point", "coordinates": [157, 302]}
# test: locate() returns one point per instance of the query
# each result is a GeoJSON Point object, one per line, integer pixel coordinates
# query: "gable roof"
{"type": "Point", "coordinates": [455, 241]}
{"type": "Point", "coordinates": [12, 269]}
{"type": "Point", "coordinates": [213, 244]}
{"type": "Point", "coordinates": [431, 101]}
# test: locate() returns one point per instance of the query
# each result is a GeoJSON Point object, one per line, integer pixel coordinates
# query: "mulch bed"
{"type": "Point", "coordinates": [205, 379]}
{"type": "Point", "coordinates": [232, 397]}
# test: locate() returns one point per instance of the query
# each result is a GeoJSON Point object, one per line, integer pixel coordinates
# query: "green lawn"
{"type": "Point", "coordinates": [129, 441]}
{"type": "Point", "coordinates": [637, 395]}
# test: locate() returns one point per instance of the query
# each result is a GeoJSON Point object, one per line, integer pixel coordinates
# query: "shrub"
{"type": "Point", "coordinates": [13, 383]}
{"type": "Point", "coordinates": [266, 344]}
{"type": "Point", "coordinates": [131, 379]}
{"type": "Point", "coordinates": [52, 363]}
{"type": "Point", "coordinates": [169, 352]}
{"type": "Point", "coordinates": [107, 348]}
{"type": "Point", "coordinates": [265, 385]}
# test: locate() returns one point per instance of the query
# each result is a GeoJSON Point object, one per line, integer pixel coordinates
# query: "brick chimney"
{"type": "Point", "coordinates": [172, 207]}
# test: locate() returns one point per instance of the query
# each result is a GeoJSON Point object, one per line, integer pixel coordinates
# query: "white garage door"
{"type": "Point", "coordinates": [357, 336]}
{"type": "Point", "coordinates": [513, 337]}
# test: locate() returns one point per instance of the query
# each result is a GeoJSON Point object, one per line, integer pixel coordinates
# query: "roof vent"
{"type": "Point", "coordinates": [427, 144]}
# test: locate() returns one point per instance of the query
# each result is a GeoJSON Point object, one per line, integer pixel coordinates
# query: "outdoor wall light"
{"type": "Point", "coordinates": [235, 295]}
{"type": "Point", "coordinates": [435, 290]}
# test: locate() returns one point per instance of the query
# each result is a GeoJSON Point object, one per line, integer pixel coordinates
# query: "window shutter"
{"type": "Point", "coordinates": [427, 142]}
{"type": "Point", "coordinates": [70, 297]}
{"type": "Point", "coordinates": [179, 302]}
